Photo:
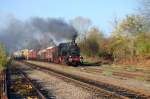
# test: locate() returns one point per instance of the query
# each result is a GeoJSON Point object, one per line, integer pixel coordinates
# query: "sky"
{"type": "Point", "coordinates": [101, 12]}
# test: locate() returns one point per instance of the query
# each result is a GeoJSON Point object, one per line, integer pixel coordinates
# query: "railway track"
{"type": "Point", "coordinates": [3, 86]}
{"type": "Point", "coordinates": [103, 89]}
{"type": "Point", "coordinates": [119, 74]}
{"type": "Point", "coordinates": [123, 74]}
{"type": "Point", "coordinates": [20, 86]}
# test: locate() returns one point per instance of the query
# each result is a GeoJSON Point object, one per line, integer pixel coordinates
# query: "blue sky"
{"type": "Point", "coordinates": [100, 12]}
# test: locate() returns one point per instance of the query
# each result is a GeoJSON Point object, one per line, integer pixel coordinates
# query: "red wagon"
{"type": "Point", "coordinates": [32, 55]}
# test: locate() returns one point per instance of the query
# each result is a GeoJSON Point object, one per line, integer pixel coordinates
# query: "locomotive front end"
{"type": "Point", "coordinates": [74, 55]}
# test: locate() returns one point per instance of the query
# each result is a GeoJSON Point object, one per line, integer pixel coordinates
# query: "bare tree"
{"type": "Point", "coordinates": [82, 25]}
{"type": "Point", "coordinates": [145, 8]}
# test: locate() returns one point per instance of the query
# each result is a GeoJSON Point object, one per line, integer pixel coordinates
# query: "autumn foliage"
{"type": "Point", "coordinates": [129, 42]}
{"type": "Point", "coordinates": [2, 56]}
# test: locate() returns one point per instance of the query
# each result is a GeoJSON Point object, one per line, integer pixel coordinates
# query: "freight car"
{"type": "Point", "coordinates": [18, 55]}
{"type": "Point", "coordinates": [32, 55]}
{"type": "Point", "coordinates": [49, 55]}
{"type": "Point", "coordinates": [41, 55]}
{"type": "Point", "coordinates": [65, 53]}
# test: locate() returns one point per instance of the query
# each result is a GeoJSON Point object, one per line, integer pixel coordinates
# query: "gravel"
{"type": "Point", "coordinates": [59, 88]}
{"type": "Point", "coordinates": [127, 83]}
{"type": "Point", "coordinates": [137, 83]}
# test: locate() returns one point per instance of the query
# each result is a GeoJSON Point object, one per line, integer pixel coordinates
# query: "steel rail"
{"type": "Point", "coordinates": [40, 95]}
{"type": "Point", "coordinates": [114, 90]}
{"type": "Point", "coordinates": [3, 85]}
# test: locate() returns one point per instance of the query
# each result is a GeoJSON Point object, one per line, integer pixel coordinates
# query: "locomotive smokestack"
{"type": "Point", "coordinates": [74, 38]}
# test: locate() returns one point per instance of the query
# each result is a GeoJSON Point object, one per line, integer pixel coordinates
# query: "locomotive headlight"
{"type": "Point", "coordinates": [81, 59]}
{"type": "Point", "coordinates": [70, 59]}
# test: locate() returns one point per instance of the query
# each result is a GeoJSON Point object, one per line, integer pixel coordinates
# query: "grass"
{"type": "Point", "coordinates": [131, 68]}
{"type": "Point", "coordinates": [128, 68]}
{"type": "Point", "coordinates": [141, 78]}
{"type": "Point", "coordinates": [148, 72]}
{"type": "Point", "coordinates": [107, 73]}
{"type": "Point", "coordinates": [1, 67]}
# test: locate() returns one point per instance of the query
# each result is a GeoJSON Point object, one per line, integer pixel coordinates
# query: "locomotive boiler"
{"type": "Point", "coordinates": [67, 53]}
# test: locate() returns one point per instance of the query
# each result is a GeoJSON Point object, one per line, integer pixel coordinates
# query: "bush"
{"type": "Point", "coordinates": [2, 56]}
{"type": "Point", "coordinates": [91, 45]}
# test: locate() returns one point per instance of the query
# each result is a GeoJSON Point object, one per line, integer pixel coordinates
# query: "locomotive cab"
{"type": "Point", "coordinates": [70, 53]}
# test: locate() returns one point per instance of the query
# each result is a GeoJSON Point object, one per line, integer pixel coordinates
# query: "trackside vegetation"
{"type": "Point", "coordinates": [129, 42]}
{"type": "Point", "coordinates": [3, 58]}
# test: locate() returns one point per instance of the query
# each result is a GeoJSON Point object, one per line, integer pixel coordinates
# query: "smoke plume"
{"type": "Point", "coordinates": [35, 33]}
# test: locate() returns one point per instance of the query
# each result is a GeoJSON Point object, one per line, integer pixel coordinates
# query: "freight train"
{"type": "Point", "coordinates": [65, 53]}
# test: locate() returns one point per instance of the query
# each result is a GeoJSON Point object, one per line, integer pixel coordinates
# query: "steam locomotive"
{"type": "Point", "coordinates": [65, 53]}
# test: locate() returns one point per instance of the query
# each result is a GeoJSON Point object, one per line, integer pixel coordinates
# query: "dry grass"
{"type": "Point", "coordinates": [107, 73]}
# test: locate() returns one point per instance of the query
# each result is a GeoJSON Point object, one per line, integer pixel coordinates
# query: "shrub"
{"type": "Point", "coordinates": [2, 56]}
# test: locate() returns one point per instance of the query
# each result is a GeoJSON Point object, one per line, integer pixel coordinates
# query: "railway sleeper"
{"type": "Point", "coordinates": [111, 88]}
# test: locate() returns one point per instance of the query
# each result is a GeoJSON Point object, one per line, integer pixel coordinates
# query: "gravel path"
{"type": "Point", "coordinates": [59, 88]}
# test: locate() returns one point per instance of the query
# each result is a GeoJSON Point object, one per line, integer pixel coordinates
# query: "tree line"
{"type": "Point", "coordinates": [129, 41]}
